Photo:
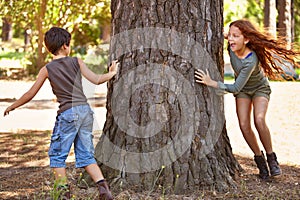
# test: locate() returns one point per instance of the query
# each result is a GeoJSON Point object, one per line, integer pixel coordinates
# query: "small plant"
{"type": "Point", "coordinates": [176, 181]}
{"type": "Point", "coordinates": [59, 188]}
{"type": "Point", "coordinates": [154, 183]}
{"type": "Point", "coordinates": [163, 193]}
{"type": "Point", "coordinates": [81, 181]}
{"type": "Point", "coordinates": [55, 193]}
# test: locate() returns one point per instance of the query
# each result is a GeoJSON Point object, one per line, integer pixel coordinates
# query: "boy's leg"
{"type": "Point", "coordinates": [62, 188]}
{"type": "Point", "coordinates": [62, 139]}
{"type": "Point", "coordinates": [60, 176]}
{"type": "Point", "coordinates": [97, 176]}
{"type": "Point", "coordinates": [94, 171]}
{"type": "Point", "coordinates": [84, 151]}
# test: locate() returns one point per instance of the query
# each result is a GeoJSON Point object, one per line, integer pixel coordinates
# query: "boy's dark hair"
{"type": "Point", "coordinates": [55, 38]}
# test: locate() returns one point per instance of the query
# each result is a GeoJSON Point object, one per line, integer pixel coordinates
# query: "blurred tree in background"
{"type": "Point", "coordinates": [286, 16]}
{"type": "Point", "coordinates": [296, 20]}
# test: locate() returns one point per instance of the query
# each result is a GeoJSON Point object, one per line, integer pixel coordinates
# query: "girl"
{"type": "Point", "coordinates": [252, 56]}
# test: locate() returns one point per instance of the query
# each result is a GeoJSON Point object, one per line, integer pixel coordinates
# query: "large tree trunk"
{"type": "Point", "coordinates": [270, 16]}
{"type": "Point", "coordinates": [161, 127]}
{"type": "Point", "coordinates": [284, 20]}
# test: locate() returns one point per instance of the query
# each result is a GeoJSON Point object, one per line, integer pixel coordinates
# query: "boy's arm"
{"type": "Point", "coordinates": [43, 74]}
{"type": "Point", "coordinates": [98, 78]}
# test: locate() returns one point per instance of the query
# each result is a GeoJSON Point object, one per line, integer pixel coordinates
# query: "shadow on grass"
{"type": "Point", "coordinates": [24, 174]}
{"type": "Point", "coordinates": [23, 148]}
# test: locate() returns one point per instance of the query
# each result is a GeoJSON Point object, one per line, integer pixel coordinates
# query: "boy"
{"type": "Point", "coordinates": [74, 121]}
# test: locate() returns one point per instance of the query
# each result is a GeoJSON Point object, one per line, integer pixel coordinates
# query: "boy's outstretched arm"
{"type": "Point", "coordinates": [43, 74]}
{"type": "Point", "coordinates": [98, 78]}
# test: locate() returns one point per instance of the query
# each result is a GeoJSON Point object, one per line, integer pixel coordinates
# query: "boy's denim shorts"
{"type": "Point", "coordinates": [73, 126]}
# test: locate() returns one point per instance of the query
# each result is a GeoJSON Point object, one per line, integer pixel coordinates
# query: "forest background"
{"type": "Point", "coordinates": [21, 48]}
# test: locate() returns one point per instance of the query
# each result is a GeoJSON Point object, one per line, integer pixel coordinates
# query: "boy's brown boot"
{"type": "Point", "coordinates": [273, 164]}
{"type": "Point", "coordinates": [104, 192]}
{"type": "Point", "coordinates": [262, 166]}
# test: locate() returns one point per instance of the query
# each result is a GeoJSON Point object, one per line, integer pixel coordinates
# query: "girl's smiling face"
{"type": "Point", "coordinates": [236, 40]}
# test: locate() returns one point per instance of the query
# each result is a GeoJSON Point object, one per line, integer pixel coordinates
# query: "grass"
{"type": "Point", "coordinates": [297, 71]}
{"type": "Point", "coordinates": [15, 43]}
{"type": "Point", "coordinates": [9, 62]}
{"type": "Point", "coordinates": [12, 55]}
{"type": "Point", "coordinates": [228, 78]}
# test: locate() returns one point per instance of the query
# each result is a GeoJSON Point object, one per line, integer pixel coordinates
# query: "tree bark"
{"type": "Point", "coordinates": [6, 29]}
{"type": "Point", "coordinates": [161, 127]}
{"type": "Point", "coordinates": [105, 33]}
{"type": "Point", "coordinates": [40, 60]}
{"type": "Point", "coordinates": [26, 38]}
{"type": "Point", "coordinates": [285, 21]}
{"type": "Point", "coordinates": [292, 22]}
{"type": "Point", "coordinates": [270, 16]}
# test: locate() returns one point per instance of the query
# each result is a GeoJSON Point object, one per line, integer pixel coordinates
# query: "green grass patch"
{"type": "Point", "coordinates": [228, 78]}
{"type": "Point", "coordinates": [12, 55]}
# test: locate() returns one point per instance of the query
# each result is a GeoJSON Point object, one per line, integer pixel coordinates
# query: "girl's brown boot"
{"type": "Point", "coordinates": [262, 166]}
{"type": "Point", "coordinates": [273, 164]}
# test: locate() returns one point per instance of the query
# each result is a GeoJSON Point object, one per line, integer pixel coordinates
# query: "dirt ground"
{"type": "Point", "coordinates": [24, 171]}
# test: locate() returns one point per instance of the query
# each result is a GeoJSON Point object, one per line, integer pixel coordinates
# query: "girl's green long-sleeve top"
{"type": "Point", "coordinates": [248, 74]}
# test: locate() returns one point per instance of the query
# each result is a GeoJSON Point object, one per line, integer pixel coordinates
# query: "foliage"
{"type": "Point", "coordinates": [255, 11]}
{"type": "Point", "coordinates": [238, 9]}
{"type": "Point", "coordinates": [233, 10]}
{"type": "Point", "coordinates": [69, 14]}
{"type": "Point", "coordinates": [96, 59]}
{"type": "Point", "coordinates": [82, 18]}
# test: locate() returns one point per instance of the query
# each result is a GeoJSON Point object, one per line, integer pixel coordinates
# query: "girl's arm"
{"type": "Point", "coordinates": [42, 75]}
{"type": "Point", "coordinates": [241, 80]}
{"type": "Point", "coordinates": [204, 78]}
{"type": "Point", "coordinates": [237, 86]}
{"type": "Point", "coordinates": [98, 78]}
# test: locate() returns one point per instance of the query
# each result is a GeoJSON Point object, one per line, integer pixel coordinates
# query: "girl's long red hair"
{"type": "Point", "coordinates": [267, 49]}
